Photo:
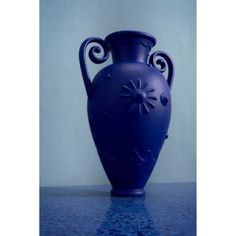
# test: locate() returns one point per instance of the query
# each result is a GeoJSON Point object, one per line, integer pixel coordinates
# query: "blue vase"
{"type": "Point", "coordinates": [129, 106]}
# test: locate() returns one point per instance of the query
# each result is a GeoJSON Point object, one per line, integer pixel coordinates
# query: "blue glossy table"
{"type": "Point", "coordinates": [167, 209]}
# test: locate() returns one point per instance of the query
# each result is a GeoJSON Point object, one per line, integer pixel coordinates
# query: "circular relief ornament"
{"type": "Point", "coordinates": [138, 98]}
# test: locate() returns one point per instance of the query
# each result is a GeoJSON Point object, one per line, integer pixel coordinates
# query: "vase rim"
{"type": "Point", "coordinates": [130, 34]}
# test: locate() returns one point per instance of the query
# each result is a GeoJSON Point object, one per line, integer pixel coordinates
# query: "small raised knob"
{"type": "Point", "coordinates": [164, 99]}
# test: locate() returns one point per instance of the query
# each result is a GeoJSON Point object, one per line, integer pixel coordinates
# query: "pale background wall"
{"type": "Point", "coordinates": [67, 152]}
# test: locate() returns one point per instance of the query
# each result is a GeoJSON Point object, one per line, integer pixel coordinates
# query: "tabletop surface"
{"type": "Point", "coordinates": [167, 209]}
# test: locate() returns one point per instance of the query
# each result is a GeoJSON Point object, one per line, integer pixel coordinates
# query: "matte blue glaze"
{"type": "Point", "coordinates": [129, 107]}
{"type": "Point", "coordinates": [167, 209]}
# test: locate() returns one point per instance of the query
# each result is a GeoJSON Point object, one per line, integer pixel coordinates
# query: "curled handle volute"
{"type": "Point", "coordinates": [95, 57]}
{"type": "Point", "coordinates": [161, 61]}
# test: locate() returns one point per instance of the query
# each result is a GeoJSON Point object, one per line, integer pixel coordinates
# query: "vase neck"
{"type": "Point", "coordinates": [129, 46]}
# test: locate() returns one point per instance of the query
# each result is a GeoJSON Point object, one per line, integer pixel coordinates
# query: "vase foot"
{"type": "Point", "coordinates": [127, 192]}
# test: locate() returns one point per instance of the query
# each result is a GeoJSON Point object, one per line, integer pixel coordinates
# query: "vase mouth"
{"type": "Point", "coordinates": [124, 35]}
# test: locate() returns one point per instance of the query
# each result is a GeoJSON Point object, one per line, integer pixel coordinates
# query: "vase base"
{"type": "Point", "coordinates": [127, 192]}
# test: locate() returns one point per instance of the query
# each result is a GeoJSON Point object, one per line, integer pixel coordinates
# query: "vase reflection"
{"type": "Point", "coordinates": [127, 216]}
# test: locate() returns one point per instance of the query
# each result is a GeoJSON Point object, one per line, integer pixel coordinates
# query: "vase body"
{"type": "Point", "coordinates": [129, 108]}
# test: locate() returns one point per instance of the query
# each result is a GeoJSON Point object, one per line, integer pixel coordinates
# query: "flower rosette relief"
{"type": "Point", "coordinates": [138, 97]}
